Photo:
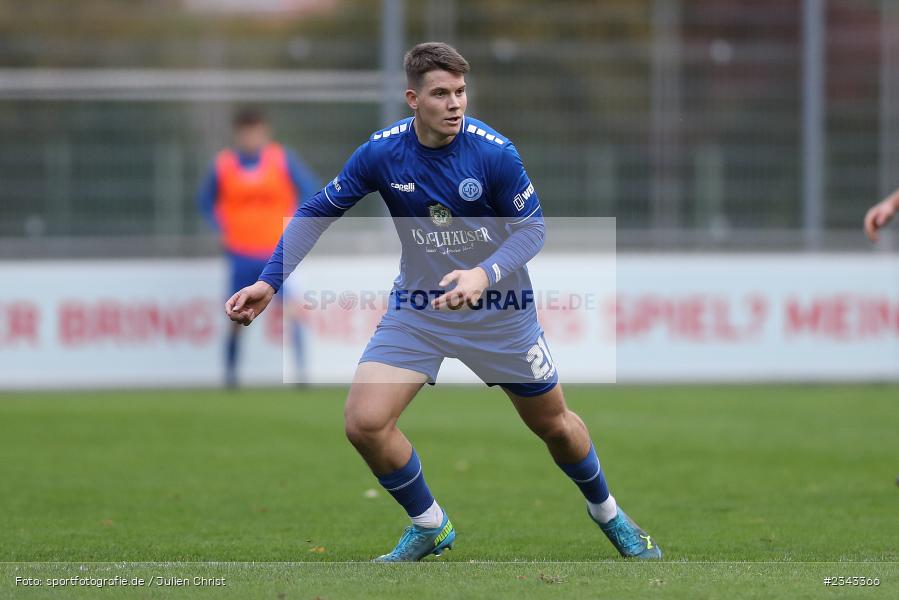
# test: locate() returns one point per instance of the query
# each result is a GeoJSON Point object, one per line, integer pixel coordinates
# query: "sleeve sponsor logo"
{"type": "Point", "coordinates": [521, 199]}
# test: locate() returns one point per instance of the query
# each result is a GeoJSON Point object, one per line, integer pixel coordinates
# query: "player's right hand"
{"type": "Point", "coordinates": [248, 303]}
{"type": "Point", "coordinates": [878, 216]}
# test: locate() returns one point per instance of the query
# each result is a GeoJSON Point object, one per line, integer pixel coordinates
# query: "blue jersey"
{"type": "Point", "coordinates": [469, 203]}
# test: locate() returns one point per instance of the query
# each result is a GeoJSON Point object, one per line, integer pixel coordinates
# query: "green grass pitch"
{"type": "Point", "coordinates": [752, 491]}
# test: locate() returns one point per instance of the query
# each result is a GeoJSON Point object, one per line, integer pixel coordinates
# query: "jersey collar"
{"type": "Point", "coordinates": [428, 151]}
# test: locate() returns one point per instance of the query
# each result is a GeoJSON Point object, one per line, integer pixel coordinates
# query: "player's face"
{"type": "Point", "coordinates": [250, 139]}
{"type": "Point", "coordinates": [439, 106]}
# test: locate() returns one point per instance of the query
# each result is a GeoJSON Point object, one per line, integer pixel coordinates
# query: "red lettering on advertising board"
{"type": "Point", "coordinates": [274, 322]}
{"type": "Point", "coordinates": [18, 324]}
{"type": "Point", "coordinates": [563, 319]}
{"type": "Point", "coordinates": [699, 318]}
{"type": "Point", "coordinates": [135, 323]}
{"type": "Point", "coordinates": [842, 317]}
{"type": "Point", "coordinates": [335, 323]}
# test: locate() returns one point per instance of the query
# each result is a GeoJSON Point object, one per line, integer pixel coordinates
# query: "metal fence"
{"type": "Point", "coordinates": [697, 123]}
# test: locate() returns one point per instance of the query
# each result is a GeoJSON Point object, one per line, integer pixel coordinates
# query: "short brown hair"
{"type": "Point", "coordinates": [432, 56]}
{"type": "Point", "coordinates": [248, 116]}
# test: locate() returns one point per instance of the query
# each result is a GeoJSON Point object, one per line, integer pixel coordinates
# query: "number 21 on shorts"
{"type": "Point", "coordinates": [541, 360]}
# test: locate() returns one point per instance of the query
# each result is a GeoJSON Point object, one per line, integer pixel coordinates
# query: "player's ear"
{"type": "Point", "coordinates": [412, 99]}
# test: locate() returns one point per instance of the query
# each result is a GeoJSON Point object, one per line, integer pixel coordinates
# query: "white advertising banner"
{"type": "Point", "coordinates": [637, 318]}
{"type": "Point", "coordinates": [816, 317]}
{"type": "Point", "coordinates": [123, 324]}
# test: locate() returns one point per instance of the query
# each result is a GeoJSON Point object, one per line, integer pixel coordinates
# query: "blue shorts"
{"type": "Point", "coordinates": [518, 361]}
{"type": "Point", "coordinates": [245, 270]}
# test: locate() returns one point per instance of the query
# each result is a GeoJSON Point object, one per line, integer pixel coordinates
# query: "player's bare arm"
{"type": "Point", "coordinates": [248, 303]}
{"type": "Point", "coordinates": [880, 214]}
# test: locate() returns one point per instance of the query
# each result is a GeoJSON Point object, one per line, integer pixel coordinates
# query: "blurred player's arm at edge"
{"type": "Point", "coordinates": [880, 214]}
{"type": "Point", "coordinates": [302, 176]}
{"type": "Point", "coordinates": [310, 220]}
{"type": "Point", "coordinates": [206, 198]}
{"type": "Point", "coordinates": [527, 233]}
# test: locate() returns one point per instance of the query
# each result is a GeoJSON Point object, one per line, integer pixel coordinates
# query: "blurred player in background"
{"type": "Point", "coordinates": [475, 222]}
{"type": "Point", "coordinates": [880, 214]}
{"type": "Point", "coordinates": [248, 191]}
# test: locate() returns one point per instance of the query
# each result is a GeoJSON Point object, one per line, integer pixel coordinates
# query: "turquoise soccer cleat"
{"type": "Point", "coordinates": [628, 538]}
{"type": "Point", "coordinates": [418, 542]}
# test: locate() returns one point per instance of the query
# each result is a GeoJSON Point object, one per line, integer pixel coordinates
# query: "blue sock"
{"type": "Point", "coordinates": [298, 339]}
{"type": "Point", "coordinates": [231, 356]}
{"type": "Point", "coordinates": [588, 476]}
{"type": "Point", "coordinates": [408, 487]}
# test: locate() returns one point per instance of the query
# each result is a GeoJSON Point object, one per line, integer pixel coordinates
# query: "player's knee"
{"type": "Point", "coordinates": [552, 430]}
{"type": "Point", "coordinates": [364, 430]}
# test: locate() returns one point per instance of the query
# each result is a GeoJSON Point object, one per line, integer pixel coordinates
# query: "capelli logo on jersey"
{"type": "Point", "coordinates": [403, 187]}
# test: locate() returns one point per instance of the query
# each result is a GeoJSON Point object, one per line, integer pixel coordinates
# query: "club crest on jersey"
{"type": "Point", "coordinates": [470, 189]}
{"type": "Point", "coordinates": [440, 215]}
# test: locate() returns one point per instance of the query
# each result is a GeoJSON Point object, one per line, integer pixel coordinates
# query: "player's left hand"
{"type": "Point", "coordinates": [878, 216]}
{"type": "Point", "coordinates": [470, 284]}
{"type": "Point", "coordinates": [246, 304]}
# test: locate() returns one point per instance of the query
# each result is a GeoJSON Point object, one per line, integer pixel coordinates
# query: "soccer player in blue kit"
{"type": "Point", "coordinates": [469, 220]}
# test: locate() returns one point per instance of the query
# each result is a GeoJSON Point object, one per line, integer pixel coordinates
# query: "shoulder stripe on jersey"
{"type": "Point", "coordinates": [395, 130]}
{"type": "Point", "coordinates": [524, 218]}
{"type": "Point", "coordinates": [331, 201]}
{"type": "Point", "coordinates": [483, 133]}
